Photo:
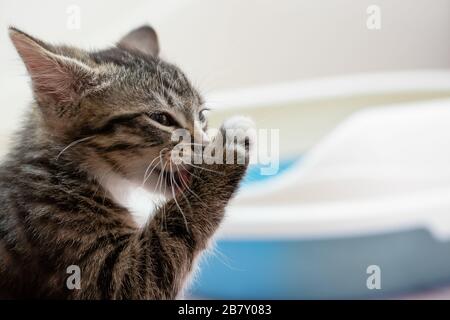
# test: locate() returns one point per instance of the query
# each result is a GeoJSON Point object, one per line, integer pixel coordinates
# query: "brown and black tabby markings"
{"type": "Point", "coordinates": [98, 114]}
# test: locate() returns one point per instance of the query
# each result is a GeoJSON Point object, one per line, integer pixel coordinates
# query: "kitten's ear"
{"type": "Point", "coordinates": [56, 78]}
{"type": "Point", "coordinates": [143, 39]}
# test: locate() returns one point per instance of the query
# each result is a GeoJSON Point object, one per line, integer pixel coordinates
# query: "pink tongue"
{"type": "Point", "coordinates": [185, 176]}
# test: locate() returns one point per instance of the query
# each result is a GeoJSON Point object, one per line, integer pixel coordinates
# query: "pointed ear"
{"type": "Point", "coordinates": [143, 39]}
{"type": "Point", "coordinates": [56, 79]}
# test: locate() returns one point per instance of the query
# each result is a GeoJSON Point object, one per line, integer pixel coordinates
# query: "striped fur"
{"type": "Point", "coordinates": [54, 209]}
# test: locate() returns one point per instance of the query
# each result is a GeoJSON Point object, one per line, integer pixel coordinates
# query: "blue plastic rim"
{"type": "Point", "coordinates": [254, 175]}
{"type": "Point", "coordinates": [334, 268]}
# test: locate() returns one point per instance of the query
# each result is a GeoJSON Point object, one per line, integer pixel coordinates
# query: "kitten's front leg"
{"type": "Point", "coordinates": [182, 228]}
{"type": "Point", "coordinates": [186, 224]}
{"type": "Point", "coordinates": [213, 185]}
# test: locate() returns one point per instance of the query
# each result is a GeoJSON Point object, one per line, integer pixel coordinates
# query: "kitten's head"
{"type": "Point", "coordinates": [119, 105]}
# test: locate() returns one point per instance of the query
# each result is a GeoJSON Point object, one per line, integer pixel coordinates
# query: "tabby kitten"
{"type": "Point", "coordinates": [101, 120]}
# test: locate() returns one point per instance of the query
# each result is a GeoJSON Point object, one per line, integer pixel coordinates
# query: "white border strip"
{"type": "Point", "coordinates": [428, 210]}
{"type": "Point", "coordinates": [374, 83]}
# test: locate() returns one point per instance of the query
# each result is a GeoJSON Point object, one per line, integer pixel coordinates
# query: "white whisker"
{"type": "Point", "coordinates": [186, 185]}
{"type": "Point", "coordinates": [176, 202]}
{"type": "Point", "coordinates": [201, 168]}
{"type": "Point", "coordinates": [72, 144]}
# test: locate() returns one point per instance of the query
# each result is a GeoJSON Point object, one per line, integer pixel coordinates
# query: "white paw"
{"type": "Point", "coordinates": [238, 122]}
{"type": "Point", "coordinates": [240, 129]}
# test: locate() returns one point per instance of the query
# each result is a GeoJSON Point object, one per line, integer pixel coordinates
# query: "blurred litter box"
{"type": "Point", "coordinates": [364, 180]}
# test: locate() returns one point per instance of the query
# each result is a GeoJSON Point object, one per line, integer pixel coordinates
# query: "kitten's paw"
{"type": "Point", "coordinates": [239, 129]}
{"type": "Point", "coordinates": [228, 153]}
{"type": "Point", "coordinates": [238, 122]}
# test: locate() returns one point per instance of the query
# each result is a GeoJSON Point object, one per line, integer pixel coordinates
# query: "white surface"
{"type": "Point", "coordinates": [382, 169]}
{"type": "Point", "coordinates": [332, 87]}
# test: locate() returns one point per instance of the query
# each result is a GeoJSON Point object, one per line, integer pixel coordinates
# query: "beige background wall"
{"type": "Point", "coordinates": [236, 44]}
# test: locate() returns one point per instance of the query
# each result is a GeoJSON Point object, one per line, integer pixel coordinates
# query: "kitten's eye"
{"type": "Point", "coordinates": [163, 118]}
{"type": "Point", "coordinates": [202, 115]}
